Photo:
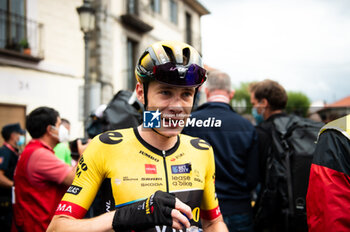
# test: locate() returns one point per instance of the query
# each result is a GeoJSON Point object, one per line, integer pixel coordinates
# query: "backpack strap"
{"type": "Point", "coordinates": [282, 126]}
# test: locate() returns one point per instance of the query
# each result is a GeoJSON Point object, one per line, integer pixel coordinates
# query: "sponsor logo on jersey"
{"type": "Point", "coordinates": [150, 169]}
{"type": "Point", "coordinates": [181, 181]}
{"type": "Point", "coordinates": [151, 119]}
{"type": "Point", "coordinates": [111, 137]}
{"type": "Point", "coordinates": [181, 169]}
{"type": "Point", "coordinates": [108, 206]}
{"type": "Point", "coordinates": [177, 156]}
{"type": "Point", "coordinates": [151, 184]}
{"type": "Point", "coordinates": [73, 189]}
{"type": "Point", "coordinates": [81, 167]}
{"type": "Point", "coordinates": [117, 181]}
{"type": "Point", "coordinates": [196, 172]}
{"type": "Point", "coordinates": [200, 144]}
{"type": "Point", "coordinates": [151, 179]}
{"type": "Point", "coordinates": [126, 178]}
{"type": "Point", "coordinates": [149, 156]}
{"type": "Point", "coordinates": [64, 208]}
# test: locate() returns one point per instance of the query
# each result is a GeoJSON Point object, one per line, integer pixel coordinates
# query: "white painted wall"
{"type": "Point", "coordinates": [34, 89]}
{"type": "Point", "coordinates": [55, 81]}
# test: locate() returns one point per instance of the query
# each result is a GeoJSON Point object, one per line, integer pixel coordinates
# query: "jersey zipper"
{"type": "Point", "coordinates": [166, 172]}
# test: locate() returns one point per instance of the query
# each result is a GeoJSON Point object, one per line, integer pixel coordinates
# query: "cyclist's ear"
{"type": "Point", "coordinates": [140, 92]}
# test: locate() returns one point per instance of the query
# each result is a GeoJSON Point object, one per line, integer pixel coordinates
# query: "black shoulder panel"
{"type": "Point", "coordinates": [332, 151]}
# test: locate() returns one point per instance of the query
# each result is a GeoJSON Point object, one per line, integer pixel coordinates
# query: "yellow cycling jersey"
{"type": "Point", "coordinates": [127, 169]}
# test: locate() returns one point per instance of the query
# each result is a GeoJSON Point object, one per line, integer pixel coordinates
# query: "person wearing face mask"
{"type": "Point", "coordinates": [13, 136]}
{"type": "Point", "coordinates": [40, 178]}
{"type": "Point", "coordinates": [269, 100]}
{"type": "Point", "coordinates": [62, 150]}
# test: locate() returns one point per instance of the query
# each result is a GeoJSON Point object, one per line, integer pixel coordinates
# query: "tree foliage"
{"type": "Point", "coordinates": [241, 100]}
{"type": "Point", "coordinates": [298, 103]}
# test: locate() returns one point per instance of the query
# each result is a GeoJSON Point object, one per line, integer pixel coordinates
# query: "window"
{"type": "Point", "coordinates": [132, 6]}
{"type": "Point", "coordinates": [188, 28]}
{"type": "Point", "coordinates": [13, 24]}
{"type": "Point", "coordinates": [173, 11]}
{"type": "Point", "coordinates": [131, 57]}
{"type": "Point", "coordinates": [155, 6]}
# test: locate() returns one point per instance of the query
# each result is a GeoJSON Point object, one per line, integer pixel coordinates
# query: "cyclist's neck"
{"type": "Point", "coordinates": [157, 140]}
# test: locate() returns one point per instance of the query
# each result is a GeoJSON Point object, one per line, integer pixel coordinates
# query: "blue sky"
{"type": "Point", "coordinates": [302, 44]}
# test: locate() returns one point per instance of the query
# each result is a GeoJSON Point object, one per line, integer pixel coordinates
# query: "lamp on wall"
{"type": "Point", "coordinates": [87, 24]}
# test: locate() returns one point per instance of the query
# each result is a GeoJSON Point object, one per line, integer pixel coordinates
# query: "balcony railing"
{"type": "Point", "coordinates": [133, 17]}
{"type": "Point", "coordinates": [20, 37]}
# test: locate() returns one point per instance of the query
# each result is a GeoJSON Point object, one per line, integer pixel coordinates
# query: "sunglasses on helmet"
{"type": "Point", "coordinates": [171, 74]}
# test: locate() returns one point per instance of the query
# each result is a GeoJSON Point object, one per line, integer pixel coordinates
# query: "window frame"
{"type": "Point", "coordinates": [174, 11]}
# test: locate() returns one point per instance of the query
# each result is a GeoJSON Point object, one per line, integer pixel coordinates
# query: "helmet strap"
{"type": "Point", "coordinates": [145, 92]}
{"type": "Point", "coordinates": [160, 133]}
{"type": "Point", "coordinates": [195, 98]}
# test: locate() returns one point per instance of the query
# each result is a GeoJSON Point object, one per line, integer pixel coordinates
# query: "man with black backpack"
{"type": "Point", "coordinates": [286, 146]}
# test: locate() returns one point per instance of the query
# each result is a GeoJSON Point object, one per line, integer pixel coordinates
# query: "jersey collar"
{"type": "Point", "coordinates": [156, 150]}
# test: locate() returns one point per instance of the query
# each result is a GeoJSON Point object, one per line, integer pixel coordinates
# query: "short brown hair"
{"type": "Point", "coordinates": [272, 91]}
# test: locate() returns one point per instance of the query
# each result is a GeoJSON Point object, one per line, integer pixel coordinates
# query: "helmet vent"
{"type": "Point", "coordinates": [170, 54]}
{"type": "Point", "coordinates": [186, 55]}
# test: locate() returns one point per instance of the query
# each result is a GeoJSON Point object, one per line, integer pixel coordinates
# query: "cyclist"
{"type": "Point", "coordinates": [157, 179]}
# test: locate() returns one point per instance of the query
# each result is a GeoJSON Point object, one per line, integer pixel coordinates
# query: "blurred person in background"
{"type": "Point", "coordinates": [13, 136]}
{"type": "Point", "coordinates": [62, 150]}
{"type": "Point", "coordinates": [235, 148]}
{"type": "Point", "coordinates": [40, 178]}
{"type": "Point", "coordinates": [286, 147]}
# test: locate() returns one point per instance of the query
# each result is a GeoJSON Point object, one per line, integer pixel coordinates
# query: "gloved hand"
{"type": "Point", "coordinates": [155, 210]}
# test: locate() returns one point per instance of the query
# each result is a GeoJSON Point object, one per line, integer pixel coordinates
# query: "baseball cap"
{"type": "Point", "coordinates": [9, 128]}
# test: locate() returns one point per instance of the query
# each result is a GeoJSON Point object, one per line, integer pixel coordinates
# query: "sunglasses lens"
{"type": "Point", "coordinates": [170, 74]}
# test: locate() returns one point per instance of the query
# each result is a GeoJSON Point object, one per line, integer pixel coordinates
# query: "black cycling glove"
{"type": "Point", "coordinates": [155, 210]}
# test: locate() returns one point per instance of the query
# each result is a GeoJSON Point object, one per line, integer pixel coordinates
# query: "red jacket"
{"type": "Point", "coordinates": [34, 207]}
{"type": "Point", "coordinates": [328, 196]}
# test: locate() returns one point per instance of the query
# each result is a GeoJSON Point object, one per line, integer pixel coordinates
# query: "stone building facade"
{"type": "Point", "coordinates": [51, 74]}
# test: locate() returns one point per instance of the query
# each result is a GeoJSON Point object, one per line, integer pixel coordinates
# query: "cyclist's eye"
{"type": "Point", "coordinates": [165, 93]}
{"type": "Point", "coordinates": [187, 94]}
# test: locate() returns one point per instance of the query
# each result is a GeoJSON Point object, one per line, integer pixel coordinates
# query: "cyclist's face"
{"type": "Point", "coordinates": [175, 104]}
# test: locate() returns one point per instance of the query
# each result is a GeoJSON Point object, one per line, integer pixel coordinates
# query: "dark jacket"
{"type": "Point", "coordinates": [8, 162]}
{"type": "Point", "coordinates": [328, 197]}
{"type": "Point", "coordinates": [236, 155]}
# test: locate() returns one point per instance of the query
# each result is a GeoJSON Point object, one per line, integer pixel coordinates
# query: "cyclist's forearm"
{"type": "Point", "coordinates": [62, 223]}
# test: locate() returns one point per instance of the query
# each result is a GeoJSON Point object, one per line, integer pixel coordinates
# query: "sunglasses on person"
{"type": "Point", "coordinates": [171, 74]}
